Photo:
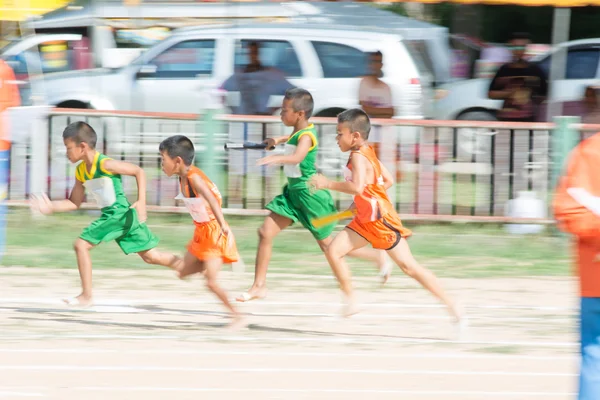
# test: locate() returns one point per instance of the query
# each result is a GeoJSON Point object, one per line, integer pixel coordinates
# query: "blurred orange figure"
{"type": "Point", "coordinates": [9, 97]}
{"type": "Point", "coordinates": [577, 211]}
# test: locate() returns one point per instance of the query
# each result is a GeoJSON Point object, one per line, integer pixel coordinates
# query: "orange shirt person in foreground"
{"type": "Point", "coordinates": [577, 211]}
{"type": "Point", "coordinates": [213, 243]}
{"type": "Point", "coordinates": [376, 222]}
{"type": "Point", "coordinates": [9, 97]}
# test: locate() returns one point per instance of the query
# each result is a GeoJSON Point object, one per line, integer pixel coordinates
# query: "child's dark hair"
{"type": "Point", "coordinates": [302, 100]}
{"type": "Point", "coordinates": [81, 132]}
{"type": "Point", "coordinates": [520, 36]}
{"type": "Point", "coordinates": [178, 146]}
{"type": "Point", "coordinates": [357, 120]}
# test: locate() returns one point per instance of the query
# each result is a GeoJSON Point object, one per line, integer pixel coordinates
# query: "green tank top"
{"type": "Point", "coordinates": [298, 174]}
{"type": "Point", "coordinates": [106, 188]}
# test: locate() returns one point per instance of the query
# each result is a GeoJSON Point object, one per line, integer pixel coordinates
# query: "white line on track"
{"type": "Point", "coordinates": [482, 394]}
{"type": "Point", "coordinates": [444, 393]}
{"type": "Point", "coordinates": [146, 368]}
{"type": "Point", "coordinates": [365, 354]}
{"type": "Point", "coordinates": [133, 310]}
{"type": "Point", "coordinates": [201, 301]}
{"type": "Point", "coordinates": [13, 394]}
{"type": "Point", "coordinates": [290, 339]}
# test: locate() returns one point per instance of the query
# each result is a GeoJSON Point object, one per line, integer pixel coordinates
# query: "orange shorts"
{"type": "Point", "coordinates": [208, 242]}
{"type": "Point", "coordinates": [385, 233]}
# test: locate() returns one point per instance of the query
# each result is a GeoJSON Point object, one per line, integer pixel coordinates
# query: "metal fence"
{"type": "Point", "coordinates": [443, 168]}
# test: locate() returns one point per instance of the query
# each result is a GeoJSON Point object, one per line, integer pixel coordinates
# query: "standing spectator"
{"type": "Point", "coordinates": [521, 84]}
{"type": "Point", "coordinates": [374, 95]}
{"type": "Point", "coordinates": [255, 83]}
{"type": "Point", "coordinates": [375, 98]}
{"type": "Point", "coordinates": [9, 97]}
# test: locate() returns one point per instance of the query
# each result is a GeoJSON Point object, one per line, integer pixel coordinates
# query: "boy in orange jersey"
{"type": "Point", "coordinates": [577, 211]}
{"type": "Point", "coordinates": [213, 243]}
{"type": "Point", "coordinates": [376, 221]}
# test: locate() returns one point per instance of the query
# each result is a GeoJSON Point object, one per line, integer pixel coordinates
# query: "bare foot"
{"type": "Point", "coordinates": [385, 270]}
{"type": "Point", "coordinates": [350, 309]}
{"type": "Point", "coordinates": [255, 293]}
{"type": "Point", "coordinates": [238, 323]}
{"type": "Point", "coordinates": [81, 301]}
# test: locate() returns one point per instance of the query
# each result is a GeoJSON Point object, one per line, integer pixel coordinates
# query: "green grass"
{"type": "Point", "coordinates": [460, 250]}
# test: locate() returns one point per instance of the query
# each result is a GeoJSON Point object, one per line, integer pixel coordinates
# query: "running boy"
{"type": "Point", "coordinates": [213, 244]}
{"type": "Point", "coordinates": [297, 203]}
{"type": "Point", "coordinates": [376, 221]}
{"type": "Point", "coordinates": [120, 221]}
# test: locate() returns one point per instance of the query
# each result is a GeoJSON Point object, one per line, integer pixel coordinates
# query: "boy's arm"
{"type": "Point", "coordinates": [354, 187]}
{"type": "Point", "coordinates": [304, 145]}
{"type": "Point", "coordinates": [573, 216]}
{"type": "Point", "coordinates": [128, 169]}
{"type": "Point", "coordinates": [202, 189]}
{"type": "Point", "coordinates": [388, 180]}
{"type": "Point", "coordinates": [45, 206]}
{"type": "Point", "coordinates": [272, 142]}
{"type": "Point", "coordinates": [497, 89]}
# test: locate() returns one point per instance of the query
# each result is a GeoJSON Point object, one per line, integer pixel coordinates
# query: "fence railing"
{"type": "Point", "coordinates": [444, 169]}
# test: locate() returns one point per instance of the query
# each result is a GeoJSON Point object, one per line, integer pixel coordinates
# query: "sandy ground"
{"type": "Point", "coordinates": [151, 336]}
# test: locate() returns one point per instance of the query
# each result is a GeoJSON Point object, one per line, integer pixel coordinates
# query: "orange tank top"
{"type": "Point", "coordinates": [373, 203]}
{"type": "Point", "coordinates": [197, 206]}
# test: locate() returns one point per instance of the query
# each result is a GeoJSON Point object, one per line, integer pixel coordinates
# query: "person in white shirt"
{"type": "Point", "coordinates": [375, 98]}
{"type": "Point", "coordinates": [374, 95]}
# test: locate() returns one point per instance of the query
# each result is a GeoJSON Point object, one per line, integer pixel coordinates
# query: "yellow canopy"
{"type": "Point", "coordinates": [552, 3]}
{"type": "Point", "coordinates": [19, 10]}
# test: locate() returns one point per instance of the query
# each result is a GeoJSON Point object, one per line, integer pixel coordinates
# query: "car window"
{"type": "Point", "coordinates": [186, 60]}
{"type": "Point", "coordinates": [277, 54]}
{"type": "Point", "coordinates": [341, 61]}
{"type": "Point", "coordinates": [420, 55]}
{"type": "Point", "coordinates": [581, 64]}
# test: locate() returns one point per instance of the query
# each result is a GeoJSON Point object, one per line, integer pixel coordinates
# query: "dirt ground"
{"type": "Point", "coordinates": [151, 336]}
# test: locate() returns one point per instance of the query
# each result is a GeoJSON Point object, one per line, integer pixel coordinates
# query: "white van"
{"type": "Point", "coordinates": [169, 77]}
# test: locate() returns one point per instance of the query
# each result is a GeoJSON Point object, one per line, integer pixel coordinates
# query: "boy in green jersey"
{"type": "Point", "coordinates": [120, 221]}
{"type": "Point", "coordinates": [298, 203]}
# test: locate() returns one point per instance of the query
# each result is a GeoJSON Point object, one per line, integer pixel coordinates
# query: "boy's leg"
{"type": "Point", "coordinates": [270, 228]}
{"type": "Point", "coordinates": [403, 257]}
{"type": "Point", "coordinates": [320, 204]}
{"type": "Point", "coordinates": [379, 257]}
{"type": "Point", "coordinates": [190, 265]}
{"type": "Point", "coordinates": [157, 257]}
{"type": "Point", "coordinates": [344, 243]}
{"type": "Point", "coordinates": [84, 264]}
{"type": "Point", "coordinates": [212, 266]}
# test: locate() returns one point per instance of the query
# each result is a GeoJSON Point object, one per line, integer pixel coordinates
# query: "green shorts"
{"type": "Point", "coordinates": [121, 225]}
{"type": "Point", "coordinates": [303, 206]}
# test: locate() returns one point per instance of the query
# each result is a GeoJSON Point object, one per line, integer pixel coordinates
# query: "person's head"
{"type": "Point", "coordinates": [518, 45]}
{"type": "Point", "coordinates": [375, 64]}
{"type": "Point", "coordinates": [177, 153]}
{"type": "Point", "coordinates": [297, 106]}
{"type": "Point", "coordinates": [353, 129]}
{"type": "Point", "coordinates": [79, 139]}
{"type": "Point", "coordinates": [253, 53]}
